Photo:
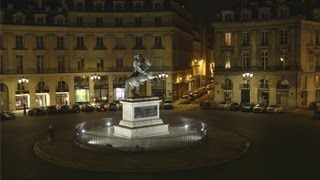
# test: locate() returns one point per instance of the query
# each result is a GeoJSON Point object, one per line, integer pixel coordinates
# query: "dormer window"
{"type": "Point", "coordinates": [99, 6]}
{"type": "Point", "coordinates": [268, 3]}
{"type": "Point", "coordinates": [59, 20]}
{"type": "Point", "coordinates": [138, 5]}
{"type": "Point", "coordinates": [245, 15]}
{"type": "Point", "coordinates": [227, 16]}
{"type": "Point", "coordinates": [264, 13]}
{"type": "Point", "coordinates": [39, 18]}
{"type": "Point", "coordinates": [118, 6]}
{"type": "Point", "coordinates": [283, 11]}
{"type": "Point", "coordinates": [157, 6]}
{"type": "Point", "coordinates": [254, 4]}
{"type": "Point", "coordinates": [19, 18]}
{"type": "Point", "coordinates": [79, 6]}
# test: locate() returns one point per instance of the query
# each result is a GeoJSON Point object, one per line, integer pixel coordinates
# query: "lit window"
{"type": "Point", "coordinates": [227, 39]}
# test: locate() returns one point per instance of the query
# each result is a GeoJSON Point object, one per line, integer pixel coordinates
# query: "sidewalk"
{"type": "Point", "coordinates": [222, 146]}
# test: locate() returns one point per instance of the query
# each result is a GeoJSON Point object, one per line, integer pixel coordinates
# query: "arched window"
{"type": "Point", "coordinates": [41, 87]}
{"type": "Point", "coordinates": [263, 84]}
{"type": "Point", "coordinates": [62, 86]}
{"type": "Point", "coordinates": [283, 84]}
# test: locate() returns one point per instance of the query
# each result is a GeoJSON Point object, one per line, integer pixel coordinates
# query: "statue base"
{"type": "Point", "coordinates": [141, 118]}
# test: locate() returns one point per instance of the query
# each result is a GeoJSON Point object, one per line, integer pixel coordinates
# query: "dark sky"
{"type": "Point", "coordinates": [207, 10]}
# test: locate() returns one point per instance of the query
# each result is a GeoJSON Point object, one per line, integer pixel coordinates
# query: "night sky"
{"type": "Point", "coordinates": [207, 10]}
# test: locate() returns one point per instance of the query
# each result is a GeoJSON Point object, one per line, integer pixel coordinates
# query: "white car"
{"type": "Point", "coordinates": [274, 108]}
{"type": "Point", "coordinates": [185, 99]}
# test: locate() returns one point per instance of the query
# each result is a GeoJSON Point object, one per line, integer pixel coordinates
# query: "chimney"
{"type": "Point", "coordinates": [39, 4]}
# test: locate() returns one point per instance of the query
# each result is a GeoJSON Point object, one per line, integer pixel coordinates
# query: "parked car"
{"type": "Point", "coordinates": [51, 110]}
{"type": "Point", "coordinates": [101, 107]}
{"type": "Point", "coordinates": [168, 104]}
{"type": "Point", "coordinates": [112, 107]}
{"type": "Point", "coordinates": [185, 99]}
{"type": "Point", "coordinates": [247, 107]}
{"type": "Point", "coordinates": [314, 105]}
{"type": "Point", "coordinates": [316, 114]}
{"type": "Point", "coordinates": [235, 106]}
{"type": "Point", "coordinates": [260, 107]}
{"type": "Point", "coordinates": [206, 105]}
{"type": "Point", "coordinates": [223, 105]}
{"type": "Point", "coordinates": [7, 115]}
{"type": "Point", "coordinates": [37, 112]}
{"type": "Point", "coordinates": [74, 108]}
{"type": "Point", "coordinates": [274, 108]}
{"type": "Point", "coordinates": [87, 108]}
{"type": "Point", "coordinates": [63, 109]}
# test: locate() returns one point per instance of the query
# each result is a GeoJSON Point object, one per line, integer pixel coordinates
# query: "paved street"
{"type": "Point", "coordinates": [283, 146]}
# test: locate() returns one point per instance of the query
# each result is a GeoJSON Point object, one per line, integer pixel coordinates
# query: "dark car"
{"type": "Point", "coordinates": [63, 109]}
{"type": "Point", "coordinates": [168, 104]}
{"type": "Point", "coordinates": [51, 110]}
{"type": "Point", "coordinates": [112, 107]}
{"type": "Point", "coordinates": [261, 107]}
{"type": "Point", "coordinates": [247, 107]}
{"type": "Point", "coordinates": [314, 105]}
{"type": "Point", "coordinates": [316, 114]}
{"type": "Point", "coordinates": [101, 107]}
{"type": "Point", "coordinates": [206, 105]}
{"type": "Point", "coordinates": [235, 106]}
{"type": "Point", "coordinates": [87, 108]}
{"type": "Point", "coordinates": [7, 115]}
{"type": "Point", "coordinates": [37, 112]}
{"type": "Point", "coordinates": [74, 108]}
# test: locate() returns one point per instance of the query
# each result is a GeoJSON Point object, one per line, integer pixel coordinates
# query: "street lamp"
{"type": "Point", "coordinates": [95, 77]}
{"type": "Point", "coordinates": [282, 60]}
{"type": "Point", "coordinates": [247, 76]}
{"type": "Point", "coordinates": [23, 80]}
{"type": "Point", "coordinates": [163, 76]}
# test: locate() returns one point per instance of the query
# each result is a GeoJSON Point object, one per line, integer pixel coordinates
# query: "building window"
{"type": "Point", "coordinates": [138, 21]}
{"type": "Point", "coordinates": [1, 65]}
{"type": "Point", "coordinates": [80, 64]}
{"type": "Point", "coordinates": [40, 44]}
{"type": "Point", "coordinates": [100, 64]}
{"type": "Point", "coordinates": [119, 43]}
{"type": "Point", "coordinates": [283, 57]}
{"type": "Point", "coordinates": [60, 21]}
{"type": "Point", "coordinates": [283, 36]}
{"type": "Point", "coordinates": [19, 19]}
{"type": "Point", "coordinates": [39, 20]}
{"type": "Point", "coordinates": [227, 39]}
{"type": "Point", "coordinates": [1, 45]}
{"type": "Point", "coordinates": [40, 65]}
{"type": "Point", "coordinates": [158, 41]}
{"type": "Point", "coordinates": [80, 42]}
{"type": "Point", "coordinates": [227, 17]}
{"type": "Point", "coordinates": [60, 42]}
{"type": "Point", "coordinates": [79, 6]}
{"type": "Point", "coordinates": [119, 62]}
{"type": "Point", "coordinates": [317, 81]}
{"type": "Point", "coordinates": [60, 61]}
{"type": "Point", "coordinates": [99, 6]}
{"type": "Point", "coordinates": [264, 38]}
{"type": "Point", "coordinates": [227, 60]}
{"type": "Point", "coordinates": [245, 39]}
{"type": "Point", "coordinates": [305, 82]}
{"type": "Point", "coordinates": [138, 6]}
{"type": "Point", "coordinates": [99, 21]}
{"type": "Point", "coordinates": [283, 12]}
{"type": "Point", "coordinates": [245, 60]}
{"type": "Point", "coordinates": [19, 42]}
{"type": "Point", "coordinates": [19, 60]}
{"type": "Point", "coordinates": [157, 6]}
{"type": "Point", "coordinates": [157, 21]}
{"type": "Point", "coordinates": [138, 42]}
{"type": "Point", "coordinates": [264, 60]}
{"type": "Point", "coordinates": [79, 21]}
{"type": "Point", "coordinates": [118, 6]}
{"type": "Point", "coordinates": [99, 43]}
{"type": "Point", "coordinates": [118, 21]}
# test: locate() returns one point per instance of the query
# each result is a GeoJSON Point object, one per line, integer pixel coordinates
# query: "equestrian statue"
{"type": "Point", "coordinates": [141, 73]}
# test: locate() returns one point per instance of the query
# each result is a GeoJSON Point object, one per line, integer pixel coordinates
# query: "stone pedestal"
{"type": "Point", "coordinates": [141, 118]}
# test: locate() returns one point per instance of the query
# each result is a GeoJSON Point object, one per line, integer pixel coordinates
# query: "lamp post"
{"type": "Point", "coordinates": [163, 76]}
{"type": "Point", "coordinates": [247, 76]}
{"type": "Point", "coordinates": [282, 60]}
{"type": "Point", "coordinates": [95, 77]}
{"type": "Point", "coordinates": [23, 80]}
